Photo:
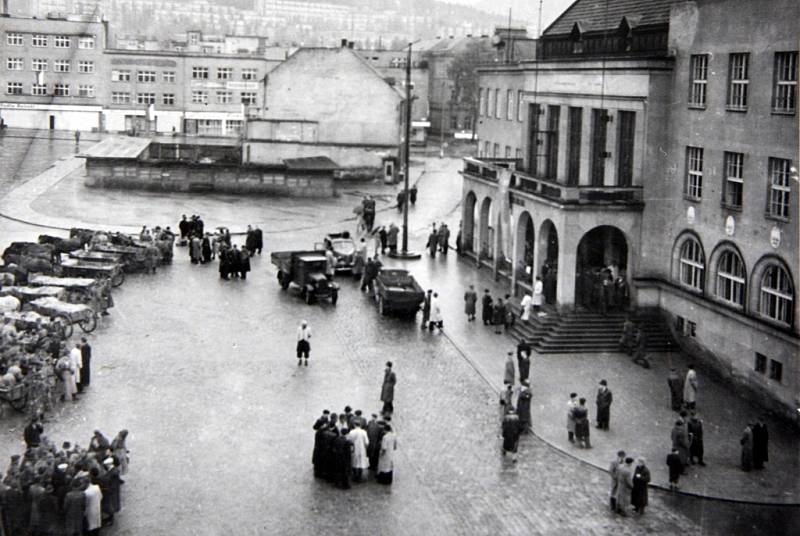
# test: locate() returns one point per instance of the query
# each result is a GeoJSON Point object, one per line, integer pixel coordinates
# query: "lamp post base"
{"type": "Point", "coordinates": [405, 255]}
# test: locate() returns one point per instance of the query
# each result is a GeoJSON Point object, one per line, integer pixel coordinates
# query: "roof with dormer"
{"type": "Point", "coordinates": [601, 15]}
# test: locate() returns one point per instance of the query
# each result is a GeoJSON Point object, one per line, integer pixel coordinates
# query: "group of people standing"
{"type": "Point", "coordinates": [438, 240]}
{"type": "Point", "coordinates": [516, 416]}
{"type": "Point", "coordinates": [69, 491]}
{"type": "Point", "coordinates": [629, 481]}
{"type": "Point", "coordinates": [578, 424]}
{"type": "Point", "coordinates": [497, 313]}
{"type": "Point", "coordinates": [74, 369]}
{"type": "Point", "coordinates": [604, 289]}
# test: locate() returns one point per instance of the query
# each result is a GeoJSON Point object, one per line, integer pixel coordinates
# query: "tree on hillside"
{"type": "Point", "coordinates": [464, 77]}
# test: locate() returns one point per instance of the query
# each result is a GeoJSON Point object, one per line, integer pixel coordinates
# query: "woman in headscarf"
{"type": "Point", "coordinates": [195, 250]}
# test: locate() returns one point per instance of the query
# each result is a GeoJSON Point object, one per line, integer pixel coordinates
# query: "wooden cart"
{"type": "Point", "coordinates": [67, 313]}
{"type": "Point", "coordinates": [28, 294]}
{"type": "Point", "coordinates": [96, 256]}
{"type": "Point", "coordinates": [95, 270]}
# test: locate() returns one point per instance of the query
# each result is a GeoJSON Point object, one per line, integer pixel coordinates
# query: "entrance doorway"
{"type": "Point", "coordinates": [548, 255]}
{"type": "Point", "coordinates": [525, 244]}
{"type": "Point", "coordinates": [52, 122]}
{"type": "Point", "coordinates": [601, 282]}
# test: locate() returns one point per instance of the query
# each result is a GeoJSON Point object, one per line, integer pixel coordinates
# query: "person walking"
{"type": "Point", "coordinates": [436, 319]}
{"type": "Point", "coordinates": [613, 471]}
{"type": "Point", "coordinates": [624, 486]}
{"type": "Point", "coordinates": [690, 388]}
{"type": "Point", "coordinates": [604, 399]}
{"type": "Point", "coordinates": [581, 416]}
{"type": "Point", "coordinates": [695, 429]}
{"type": "Point", "coordinates": [746, 442]}
{"type": "Point", "coordinates": [486, 308]}
{"type": "Point", "coordinates": [387, 389]}
{"type": "Point", "coordinates": [371, 270]}
{"type": "Point", "coordinates": [498, 315]}
{"type": "Point", "coordinates": [675, 389]}
{"type": "Point", "coordinates": [680, 442]}
{"type": "Point", "coordinates": [360, 441]}
{"type": "Point", "coordinates": [572, 403]}
{"type": "Point", "coordinates": [509, 372]}
{"type": "Point", "coordinates": [525, 305]}
{"type": "Point", "coordinates": [391, 238]}
{"type": "Point", "coordinates": [524, 360]}
{"type": "Point", "coordinates": [760, 444]}
{"type": "Point", "coordinates": [386, 458]}
{"type": "Point", "coordinates": [524, 397]}
{"type": "Point", "coordinates": [444, 238]}
{"type": "Point", "coordinates": [470, 300]}
{"type": "Point", "coordinates": [433, 242]}
{"type": "Point", "coordinates": [511, 432]}
{"type": "Point", "coordinates": [303, 343]}
{"type": "Point", "coordinates": [675, 468]}
{"type": "Point", "coordinates": [33, 432]}
{"type": "Point", "coordinates": [426, 308]}
{"type": "Point", "coordinates": [641, 479]}
{"type": "Point", "coordinates": [77, 363]}
{"type": "Point", "coordinates": [383, 238]}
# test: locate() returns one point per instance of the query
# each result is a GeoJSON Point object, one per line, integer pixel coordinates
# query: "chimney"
{"type": "Point", "coordinates": [5, 12]}
{"type": "Point", "coordinates": [344, 43]}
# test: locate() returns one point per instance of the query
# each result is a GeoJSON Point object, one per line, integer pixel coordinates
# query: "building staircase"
{"type": "Point", "coordinates": [582, 331]}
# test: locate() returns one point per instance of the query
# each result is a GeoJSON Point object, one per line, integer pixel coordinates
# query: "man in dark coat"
{"type": "Point", "coordinates": [433, 242]}
{"type": "Point", "coordinates": [695, 427]}
{"type": "Point", "coordinates": [675, 468]}
{"type": "Point", "coordinates": [680, 442]}
{"type": "Point", "coordinates": [675, 383]}
{"type": "Point", "coordinates": [641, 478]}
{"type": "Point", "coordinates": [511, 432]}
{"type": "Point", "coordinates": [250, 239]}
{"type": "Point", "coordinates": [326, 455]}
{"type": "Point", "coordinates": [760, 444]}
{"type": "Point", "coordinates": [604, 399]}
{"type": "Point", "coordinates": [387, 389]}
{"type": "Point", "coordinates": [524, 359]}
{"type": "Point", "coordinates": [33, 433]}
{"type": "Point", "coordinates": [259, 240]}
{"type": "Point", "coordinates": [486, 308]}
{"type": "Point", "coordinates": [86, 362]}
{"type": "Point", "coordinates": [74, 507]}
{"type": "Point", "coordinates": [244, 262]}
{"type": "Point", "coordinates": [322, 420]}
{"type": "Point", "coordinates": [342, 453]}
{"type": "Point", "coordinates": [371, 270]}
{"type": "Point", "coordinates": [183, 227]}
{"type": "Point", "coordinates": [375, 431]}
{"type": "Point", "coordinates": [498, 315]}
{"type": "Point", "coordinates": [524, 406]}
{"type": "Point", "coordinates": [317, 457]}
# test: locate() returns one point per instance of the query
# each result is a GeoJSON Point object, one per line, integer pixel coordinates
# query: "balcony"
{"type": "Point", "coordinates": [493, 170]}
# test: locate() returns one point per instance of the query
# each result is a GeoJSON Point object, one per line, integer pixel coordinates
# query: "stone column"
{"type": "Point", "coordinates": [586, 147]}
{"type": "Point", "coordinates": [610, 178]}
{"type": "Point", "coordinates": [565, 286]}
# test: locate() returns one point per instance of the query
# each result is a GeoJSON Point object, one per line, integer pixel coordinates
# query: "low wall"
{"type": "Point", "coordinates": [188, 177]}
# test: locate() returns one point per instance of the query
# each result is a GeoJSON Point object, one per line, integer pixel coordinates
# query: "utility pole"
{"type": "Point", "coordinates": [404, 253]}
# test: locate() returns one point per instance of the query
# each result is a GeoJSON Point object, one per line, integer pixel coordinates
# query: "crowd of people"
{"type": "Point", "coordinates": [438, 240]}
{"type": "Point", "coordinates": [65, 490]}
{"type": "Point", "coordinates": [603, 289]}
{"type": "Point", "coordinates": [205, 247]}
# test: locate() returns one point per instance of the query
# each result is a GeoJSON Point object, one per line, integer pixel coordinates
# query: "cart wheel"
{"type": "Point", "coordinates": [88, 325]}
{"type": "Point", "coordinates": [19, 404]}
{"type": "Point", "coordinates": [381, 306]}
{"type": "Point", "coordinates": [309, 297]}
{"type": "Point", "coordinates": [118, 279]}
{"type": "Point", "coordinates": [66, 325]}
{"type": "Point", "coordinates": [334, 297]}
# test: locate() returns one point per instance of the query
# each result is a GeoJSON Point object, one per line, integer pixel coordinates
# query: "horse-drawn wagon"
{"type": "Point", "coordinates": [94, 270]}
{"type": "Point", "coordinates": [91, 292]}
{"type": "Point", "coordinates": [67, 313]}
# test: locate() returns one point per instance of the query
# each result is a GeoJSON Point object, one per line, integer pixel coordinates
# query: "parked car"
{"type": "Point", "coordinates": [344, 249]}
{"type": "Point", "coordinates": [306, 270]}
{"type": "Point", "coordinates": [396, 291]}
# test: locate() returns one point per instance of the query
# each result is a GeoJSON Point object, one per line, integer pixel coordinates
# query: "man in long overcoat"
{"type": "Point", "coordinates": [604, 399]}
{"type": "Point", "coordinates": [675, 389]}
{"type": "Point", "coordinates": [690, 388]}
{"type": "Point", "coordinates": [509, 371]}
{"type": "Point", "coordinates": [486, 308]}
{"type": "Point", "coordinates": [680, 441]}
{"type": "Point", "coordinates": [760, 444]}
{"type": "Point", "coordinates": [511, 431]}
{"type": "Point", "coordinates": [375, 432]}
{"type": "Point", "coordinates": [641, 479]}
{"type": "Point", "coordinates": [695, 427]}
{"type": "Point", "coordinates": [342, 459]}
{"type": "Point", "coordinates": [387, 389]}
{"type": "Point", "coordinates": [524, 359]}
{"type": "Point", "coordinates": [470, 299]}
{"type": "Point", "coordinates": [524, 406]}
{"type": "Point", "coordinates": [624, 486]}
{"type": "Point", "coordinates": [747, 447]}
{"type": "Point", "coordinates": [613, 470]}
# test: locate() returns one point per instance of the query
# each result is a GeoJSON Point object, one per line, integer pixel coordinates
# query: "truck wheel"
{"type": "Point", "coordinates": [381, 306]}
{"type": "Point", "coordinates": [334, 298]}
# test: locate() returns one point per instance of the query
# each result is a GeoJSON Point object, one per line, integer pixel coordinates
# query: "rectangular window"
{"type": "Point", "coordinates": [738, 81]}
{"type": "Point", "coordinates": [86, 42]}
{"type": "Point", "coordinates": [14, 88]}
{"type": "Point", "coordinates": [61, 90]}
{"type": "Point", "coordinates": [760, 364]}
{"type": "Point", "coordinates": [496, 150]}
{"type": "Point", "coordinates": [489, 103]}
{"type": "Point", "coordinates": [168, 99]}
{"type": "Point", "coordinates": [775, 370]}
{"type": "Point", "coordinates": [534, 138]}
{"type": "Point", "coordinates": [233, 127]}
{"type": "Point", "coordinates": [146, 77]}
{"type": "Point", "coordinates": [508, 151]}
{"type": "Point", "coordinates": [209, 127]}
{"type": "Point", "coordinates": [199, 97]}
{"type": "Point", "coordinates": [61, 41]}
{"type": "Point", "coordinates": [223, 97]}
{"type": "Point", "coordinates": [61, 66]}
{"type": "Point", "coordinates": [454, 122]}
{"type": "Point", "coordinates": [15, 64]}
{"type": "Point", "coordinates": [733, 184]}
{"type": "Point", "coordinates": [481, 102]}
{"type": "Point", "coordinates": [168, 77]}
{"type": "Point", "coordinates": [599, 131]}
{"type": "Point", "coordinates": [510, 105]}
{"type": "Point", "coordinates": [551, 156]}
{"type": "Point", "coordinates": [518, 153]}
{"type": "Point", "coordinates": [120, 76]}
{"type": "Point", "coordinates": [467, 122]}
{"type": "Point", "coordinates": [38, 64]}
{"type": "Point", "coordinates": [694, 172]}
{"type": "Point", "coordinates": [200, 73]}
{"type": "Point", "coordinates": [520, 107]}
{"type": "Point", "coordinates": [145, 98]}
{"type": "Point", "coordinates": [248, 98]}
{"type": "Point", "coordinates": [249, 74]}
{"type": "Point", "coordinates": [784, 98]}
{"type": "Point", "coordinates": [497, 104]}
{"type": "Point", "coordinates": [120, 97]}
{"type": "Point", "coordinates": [699, 80]}
{"type": "Point", "coordinates": [39, 40]}
{"type": "Point", "coordinates": [486, 149]}
{"type": "Point", "coordinates": [86, 67]}
{"type": "Point", "coordinates": [85, 90]}
{"type": "Point", "coordinates": [224, 73]}
{"type": "Point", "coordinates": [625, 141]}
{"type": "Point", "coordinates": [15, 39]}
{"type": "Point", "coordinates": [38, 89]}
{"type": "Point", "coordinates": [779, 187]}
{"type": "Point", "coordinates": [574, 145]}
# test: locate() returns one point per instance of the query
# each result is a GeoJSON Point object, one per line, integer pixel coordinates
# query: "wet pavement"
{"type": "Point", "coordinates": [202, 372]}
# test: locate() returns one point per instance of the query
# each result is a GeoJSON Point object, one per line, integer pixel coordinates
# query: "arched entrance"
{"type": "Point", "coordinates": [524, 269]}
{"type": "Point", "coordinates": [486, 230]}
{"type": "Point", "coordinates": [601, 282]}
{"type": "Point", "coordinates": [468, 225]}
{"type": "Point", "coordinates": [548, 260]}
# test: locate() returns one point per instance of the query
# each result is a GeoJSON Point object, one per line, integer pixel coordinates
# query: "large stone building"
{"type": "Point", "coordinates": [659, 137]}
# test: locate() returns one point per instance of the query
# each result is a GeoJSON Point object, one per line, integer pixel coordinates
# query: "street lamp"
{"type": "Point", "coordinates": [404, 253]}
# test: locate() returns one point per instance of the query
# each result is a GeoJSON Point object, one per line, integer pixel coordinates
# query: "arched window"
{"type": "Point", "coordinates": [692, 264]}
{"type": "Point", "coordinates": [730, 281]}
{"type": "Point", "coordinates": [777, 295]}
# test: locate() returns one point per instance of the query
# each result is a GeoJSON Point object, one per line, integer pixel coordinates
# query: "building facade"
{"type": "Point", "coordinates": [660, 139]}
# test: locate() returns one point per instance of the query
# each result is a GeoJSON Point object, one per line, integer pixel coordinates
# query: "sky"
{"type": "Point", "coordinates": [521, 9]}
